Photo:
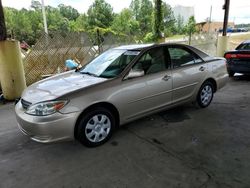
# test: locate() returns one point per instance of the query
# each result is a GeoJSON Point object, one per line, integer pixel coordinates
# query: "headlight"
{"type": "Point", "coordinates": [46, 108]}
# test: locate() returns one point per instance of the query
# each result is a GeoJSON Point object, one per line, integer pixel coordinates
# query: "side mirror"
{"type": "Point", "coordinates": [134, 74]}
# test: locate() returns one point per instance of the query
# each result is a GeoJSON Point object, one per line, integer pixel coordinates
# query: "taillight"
{"type": "Point", "coordinates": [229, 56]}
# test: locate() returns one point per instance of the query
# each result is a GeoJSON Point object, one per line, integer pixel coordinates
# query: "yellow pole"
{"type": "Point", "coordinates": [11, 69]}
{"type": "Point", "coordinates": [222, 45]}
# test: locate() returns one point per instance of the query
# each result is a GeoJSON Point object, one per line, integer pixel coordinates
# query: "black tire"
{"type": "Point", "coordinates": [230, 73]}
{"type": "Point", "coordinates": [205, 94]}
{"type": "Point", "coordinates": [83, 131]}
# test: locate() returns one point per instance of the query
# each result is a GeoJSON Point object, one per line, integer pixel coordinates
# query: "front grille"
{"type": "Point", "coordinates": [25, 104]}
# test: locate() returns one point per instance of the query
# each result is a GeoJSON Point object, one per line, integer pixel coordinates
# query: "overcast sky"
{"type": "Point", "coordinates": [239, 9]}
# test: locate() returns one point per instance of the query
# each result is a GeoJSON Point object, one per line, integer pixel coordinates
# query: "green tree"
{"type": "Point", "coordinates": [55, 21]}
{"type": "Point", "coordinates": [125, 23]}
{"type": "Point", "coordinates": [100, 14]}
{"type": "Point", "coordinates": [142, 12]}
{"type": "Point", "coordinates": [36, 24]}
{"type": "Point", "coordinates": [36, 5]}
{"type": "Point", "coordinates": [68, 12]}
{"type": "Point", "coordinates": [80, 24]}
{"type": "Point", "coordinates": [190, 27]}
{"type": "Point", "coordinates": [168, 20]}
{"type": "Point", "coordinates": [145, 16]}
{"type": "Point", "coordinates": [22, 26]}
{"type": "Point", "coordinates": [157, 19]}
{"type": "Point", "coordinates": [9, 14]}
{"type": "Point", "coordinates": [135, 7]}
{"type": "Point", "coordinates": [180, 25]}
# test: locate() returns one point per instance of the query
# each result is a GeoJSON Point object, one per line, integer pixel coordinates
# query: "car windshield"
{"type": "Point", "coordinates": [110, 64]}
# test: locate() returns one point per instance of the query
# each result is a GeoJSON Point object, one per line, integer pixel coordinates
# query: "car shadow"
{"type": "Point", "coordinates": [164, 118]}
{"type": "Point", "coordinates": [175, 115]}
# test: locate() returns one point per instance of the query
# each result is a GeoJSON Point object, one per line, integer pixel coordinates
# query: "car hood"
{"type": "Point", "coordinates": [56, 86]}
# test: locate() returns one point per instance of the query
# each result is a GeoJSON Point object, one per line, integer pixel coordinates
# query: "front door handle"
{"type": "Point", "coordinates": [166, 78]}
{"type": "Point", "coordinates": [202, 68]}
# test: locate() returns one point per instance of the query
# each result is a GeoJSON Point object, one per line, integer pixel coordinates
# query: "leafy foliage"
{"type": "Point", "coordinates": [143, 21]}
{"type": "Point", "coordinates": [68, 12]}
{"type": "Point", "coordinates": [150, 37]}
{"type": "Point", "coordinates": [180, 24]}
{"type": "Point", "coordinates": [36, 5]}
{"type": "Point", "coordinates": [169, 20]}
{"type": "Point", "coordinates": [125, 23]}
{"type": "Point", "coordinates": [190, 27]}
{"type": "Point", "coordinates": [157, 19]}
{"type": "Point", "coordinates": [100, 14]}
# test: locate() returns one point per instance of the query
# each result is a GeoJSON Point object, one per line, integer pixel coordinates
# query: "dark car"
{"type": "Point", "coordinates": [238, 60]}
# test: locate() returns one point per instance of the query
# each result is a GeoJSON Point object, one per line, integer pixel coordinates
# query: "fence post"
{"type": "Point", "coordinates": [189, 38]}
{"type": "Point", "coordinates": [99, 41]}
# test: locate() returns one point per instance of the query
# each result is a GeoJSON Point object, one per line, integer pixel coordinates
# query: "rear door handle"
{"type": "Point", "coordinates": [166, 78]}
{"type": "Point", "coordinates": [202, 68]}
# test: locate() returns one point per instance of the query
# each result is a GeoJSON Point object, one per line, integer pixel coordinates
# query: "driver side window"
{"type": "Point", "coordinates": [152, 61]}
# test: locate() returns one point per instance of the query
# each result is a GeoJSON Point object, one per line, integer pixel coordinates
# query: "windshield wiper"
{"type": "Point", "coordinates": [89, 73]}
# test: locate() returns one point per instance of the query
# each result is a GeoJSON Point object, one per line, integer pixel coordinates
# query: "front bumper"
{"type": "Point", "coordinates": [46, 129]}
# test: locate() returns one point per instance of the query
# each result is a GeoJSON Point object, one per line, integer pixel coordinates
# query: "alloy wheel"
{"type": "Point", "coordinates": [206, 95]}
{"type": "Point", "coordinates": [98, 128]}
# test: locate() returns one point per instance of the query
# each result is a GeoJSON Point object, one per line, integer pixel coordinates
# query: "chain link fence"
{"type": "Point", "coordinates": [205, 42]}
{"type": "Point", "coordinates": [48, 55]}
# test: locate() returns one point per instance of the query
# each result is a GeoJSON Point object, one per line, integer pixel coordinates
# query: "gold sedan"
{"type": "Point", "coordinates": [117, 87]}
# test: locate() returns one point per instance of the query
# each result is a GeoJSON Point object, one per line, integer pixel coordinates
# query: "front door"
{"type": "Point", "coordinates": [151, 91]}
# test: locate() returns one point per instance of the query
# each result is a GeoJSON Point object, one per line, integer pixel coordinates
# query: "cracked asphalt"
{"type": "Point", "coordinates": [182, 147]}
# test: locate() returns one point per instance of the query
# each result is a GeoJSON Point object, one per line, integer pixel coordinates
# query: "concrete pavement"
{"type": "Point", "coordinates": [182, 147]}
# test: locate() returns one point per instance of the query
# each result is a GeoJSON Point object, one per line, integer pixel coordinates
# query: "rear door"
{"type": "Point", "coordinates": [188, 71]}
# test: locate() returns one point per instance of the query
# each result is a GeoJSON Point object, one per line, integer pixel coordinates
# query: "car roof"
{"type": "Point", "coordinates": [133, 47]}
{"type": "Point", "coordinates": [145, 46]}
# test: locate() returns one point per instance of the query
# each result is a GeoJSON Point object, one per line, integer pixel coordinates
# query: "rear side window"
{"type": "Point", "coordinates": [181, 57]}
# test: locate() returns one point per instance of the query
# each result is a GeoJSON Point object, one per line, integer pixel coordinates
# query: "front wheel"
{"type": "Point", "coordinates": [96, 127]}
{"type": "Point", "coordinates": [205, 94]}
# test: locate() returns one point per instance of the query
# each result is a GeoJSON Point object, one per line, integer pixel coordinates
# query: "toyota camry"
{"type": "Point", "coordinates": [120, 85]}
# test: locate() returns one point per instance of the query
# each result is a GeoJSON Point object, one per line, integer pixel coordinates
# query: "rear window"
{"type": "Point", "coordinates": [244, 46]}
{"type": "Point", "coordinates": [200, 53]}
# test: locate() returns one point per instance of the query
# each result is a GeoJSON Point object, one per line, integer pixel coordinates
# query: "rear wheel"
{"type": "Point", "coordinates": [205, 94]}
{"type": "Point", "coordinates": [96, 127]}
